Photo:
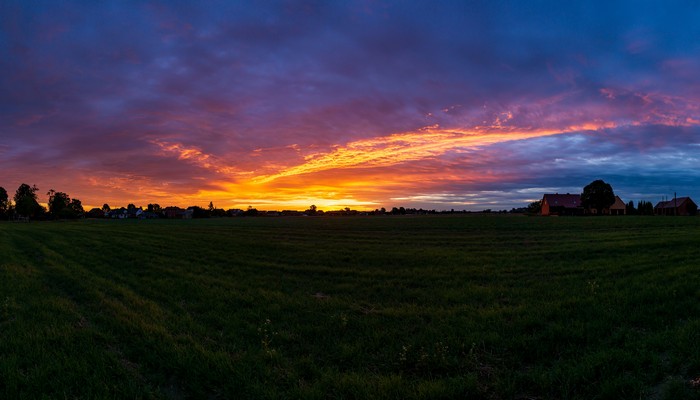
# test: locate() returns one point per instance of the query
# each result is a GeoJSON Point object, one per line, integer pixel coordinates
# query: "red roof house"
{"type": "Point", "coordinates": [561, 204]}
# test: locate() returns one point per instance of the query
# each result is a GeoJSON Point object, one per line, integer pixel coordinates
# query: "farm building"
{"type": "Point", "coordinates": [570, 204]}
{"type": "Point", "coordinates": [173, 212]}
{"type": "Point", "coordinates": [617, 208]}
{"type": "Point", "coordinates": [677, 206]}
{"type": "Point", "coordinates": [561, 204]}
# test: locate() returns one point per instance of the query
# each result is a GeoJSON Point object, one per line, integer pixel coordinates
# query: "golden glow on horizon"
{"type": "Point", "coordinates": [332, 179]}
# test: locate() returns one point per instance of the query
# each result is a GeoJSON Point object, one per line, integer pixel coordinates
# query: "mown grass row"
{"type": "Point", "coordinates": [392, 307]}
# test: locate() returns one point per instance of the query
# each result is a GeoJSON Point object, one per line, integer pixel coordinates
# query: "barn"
{"type": "Point", "coordinates": [561, 204]}
{"type": "Point", "coordinates": [677, 206]}
{"type": "Point", "coordinates": [570, 204]}
{"type": "Point", "coordinates": [618, 207]}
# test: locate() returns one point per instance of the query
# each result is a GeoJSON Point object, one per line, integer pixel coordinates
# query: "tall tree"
{"type": "Point", "coordinates": [26, 203]}
{"type": "Point", "coordinates": [154, 208]}
{"type": "Point", "coordinates": [26, 190]}
{"type": "Point", "coordinates": [76, 208]}
{"type": "Point", "coordinates": [645, 208]}
{"type": "Point", "coordinates": [58, 201]}
{"type": "Point", "coordinates": [3, 200]}
{"type": "Point", "coordinates": [597, 195]}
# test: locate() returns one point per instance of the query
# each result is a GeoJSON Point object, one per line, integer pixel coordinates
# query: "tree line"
{"type": "Point", "coordinates": [25, 204]}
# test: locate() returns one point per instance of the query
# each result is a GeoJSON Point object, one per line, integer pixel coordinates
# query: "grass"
{"type": "Point", "coordinates": [381, 307]}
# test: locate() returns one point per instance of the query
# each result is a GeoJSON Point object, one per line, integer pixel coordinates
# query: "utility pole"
{"type": "Point", "coordinates": [675, 210]}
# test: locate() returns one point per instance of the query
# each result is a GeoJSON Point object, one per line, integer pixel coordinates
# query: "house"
{"type": "Point", "coordinates": [133, 212]}
{"type": "Point", "coordinates": [173, 212]}
{"type": "Point", "coordinates": [148, 215]}
{"type": "Point", "coordinates": [570, 204]}
{"type": "Point", "coordinates": [617, 208]}
{"type": "Point", "coordinates": [561, 204]}
{"type": "Point", "coordinates": [96, 213]}
{"type": "Point", "coordinates": [677, 206]}
{"type": "Point", "coordinates": [189, 213]}
{"type": "Point", "coordinates": [120, 213]}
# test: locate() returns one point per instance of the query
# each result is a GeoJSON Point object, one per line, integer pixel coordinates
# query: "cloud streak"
{"type": "Point", "coordinates": [403, 148]}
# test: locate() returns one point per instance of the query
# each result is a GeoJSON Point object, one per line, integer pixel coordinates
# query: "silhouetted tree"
{"type": "Point", "coordinates": [218, 212]}
{"type": "Point", "coordinates": [311, 211]}
{"type": "Point", "coordinates": [25, 190]}
{"type": "Point", "coordinates": [58, 201]}
{"type": "Point", "coordinates": [211, 207]}
{"type": "Point", "coordinates": [76, 209]}
{"type": "Point", "coordinates": [535, 207]}
{"type": "Point", "coordinates": [199, 212]}
{"type": "Point", "coordinates": [629, 208]}
{"type": "Point", "coordinates": [3, 200]}
{"type": "Point", "coordinates": [597, 195]}
{"type": "Point", "coordinates": [26, 203]}
{"type": "Point", "coordinates": [96, 213]}
{"type": "Point", "coordinates": [645, 208]}
{"type": "Point", "coordinates": [106, 208]}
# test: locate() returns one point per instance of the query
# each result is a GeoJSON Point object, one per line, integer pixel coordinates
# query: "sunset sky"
{"type": "Point", "coordinates": [366, 104]}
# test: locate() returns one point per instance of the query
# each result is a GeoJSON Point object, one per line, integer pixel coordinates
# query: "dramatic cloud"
{"type": "Point", "coordinates": [362, 104]}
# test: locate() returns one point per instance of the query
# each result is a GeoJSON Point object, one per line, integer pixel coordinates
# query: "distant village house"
{"type": "Point", "coordinates": [561, 204]}
{"type": "Point", "coordinates": [570, 204]}
{"type": "Point", "coordinates": [618, 208]}
{"type": "Point", "coordinates": [679, 206]}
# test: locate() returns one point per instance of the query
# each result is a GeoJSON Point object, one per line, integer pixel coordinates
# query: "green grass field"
{"type": "Point", "coordinates": [493, 307]}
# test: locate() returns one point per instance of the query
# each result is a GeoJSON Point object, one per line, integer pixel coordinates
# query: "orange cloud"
{"type": "Point", "coordinates": [412, 146]}
{"type": "Point", "coordinates": [356, 174]}
{"type": "Point", "coordinates": [197, 157]}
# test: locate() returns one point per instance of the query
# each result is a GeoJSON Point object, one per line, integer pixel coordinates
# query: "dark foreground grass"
{"type": "Point", "coordinates": [316, 308]}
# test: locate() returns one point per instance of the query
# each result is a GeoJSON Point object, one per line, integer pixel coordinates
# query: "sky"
{"type": "Point", "coordinates": [463, 105]}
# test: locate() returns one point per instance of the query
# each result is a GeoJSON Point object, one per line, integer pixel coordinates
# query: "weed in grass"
{"type": "Point", "coordinates": [593, 287]}
{"type": "Point", "coordinates": [8, 306]}
{"type": "Point", "coordinates": [342, 319]}
{"type": "Point", "coordinates": [267, 334]}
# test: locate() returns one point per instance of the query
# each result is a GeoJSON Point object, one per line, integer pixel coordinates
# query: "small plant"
{"type": "Point", "coordinates": [425, 360]}
{"type": "Point", "coordinates": [343, 320]}
{"type": "Point", "coordinates": [267, 335]}
{"type": "Point", "coordinates": [593, 287]}
{"type": "Point", "coordinates": [403, 354]}
{"type": "Point", "coordinates": [441, 352]}
{"type": "Point", "coordinates": [8, 304]}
